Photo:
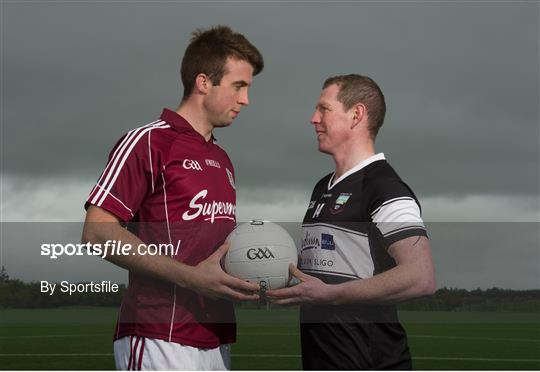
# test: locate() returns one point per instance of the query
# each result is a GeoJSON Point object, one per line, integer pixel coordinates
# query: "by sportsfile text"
{"type": "Point", "coordinates": [71, 288]}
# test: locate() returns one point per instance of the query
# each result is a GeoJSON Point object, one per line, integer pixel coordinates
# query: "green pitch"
{"type": "Point", "coordinates": [82, 339]}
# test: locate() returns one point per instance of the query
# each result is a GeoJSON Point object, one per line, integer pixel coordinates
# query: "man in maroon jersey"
{"type": "Point", "coordinates": [170, 183]}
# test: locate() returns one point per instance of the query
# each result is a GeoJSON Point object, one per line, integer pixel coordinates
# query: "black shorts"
{"type": "Point", "coordinates": [354, 346]}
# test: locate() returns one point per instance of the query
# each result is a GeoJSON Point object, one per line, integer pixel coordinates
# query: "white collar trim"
{"type": "Point", "coordinates": [356, 168]}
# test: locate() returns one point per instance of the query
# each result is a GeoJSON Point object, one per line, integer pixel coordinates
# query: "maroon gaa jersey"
{"type": "Point", "coordinates": [170, 186]}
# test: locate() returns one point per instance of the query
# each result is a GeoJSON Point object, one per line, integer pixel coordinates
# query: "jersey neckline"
{"type": "Point", "coordinates": [179, 123]}
{"type": "Point", "coordinates": [364, 163]}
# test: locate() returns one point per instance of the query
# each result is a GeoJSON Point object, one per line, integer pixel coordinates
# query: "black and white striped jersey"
{"type": "Point", "coordinates": [346, 232]}
{"type": "Point", "coordinates": [351, 222]}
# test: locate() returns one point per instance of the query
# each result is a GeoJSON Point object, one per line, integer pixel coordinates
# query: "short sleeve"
{"type": "Point", "coordinates": [126, 179]}
{"type": "Point", "coordinates": [396, 211]}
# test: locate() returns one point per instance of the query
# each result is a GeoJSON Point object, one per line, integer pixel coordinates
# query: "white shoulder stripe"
{"type": "Point", "coordinates": [403, 210]}
{"type": "Point", "coordinates": [126, 138]}
{"type": "Point", "coordinates": [128, 151]}
{"type": "Point", "coordinates": [121, 164]}
{"type": "Point", "coordinates": [110, 168]}
{"type": "Point", "coordinates": [150, 161]}
{"type": "Point", "coordinates": [391, 201]}
{"type": "Point", "coordinates": [120, 201]}
{"type": "Point", "coordinates": [398, 215]}
{"type": "Point", "coordinates": [117, 153]}
{"type": "Point", "coordinates": [410, 227]}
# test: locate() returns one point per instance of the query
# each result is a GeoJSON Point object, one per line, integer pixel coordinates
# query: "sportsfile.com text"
{"type": "Point", "coordinates": [110, 247]}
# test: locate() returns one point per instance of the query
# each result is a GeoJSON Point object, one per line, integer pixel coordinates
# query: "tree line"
{"type": "Point", "coordinates": [494, 299]}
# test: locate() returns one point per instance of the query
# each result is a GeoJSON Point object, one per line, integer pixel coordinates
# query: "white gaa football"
{"type": "Point", "coordinates": [261, 251]}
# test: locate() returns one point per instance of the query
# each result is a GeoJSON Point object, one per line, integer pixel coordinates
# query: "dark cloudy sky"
{"type": "Point", "coordinates": [460, 78]}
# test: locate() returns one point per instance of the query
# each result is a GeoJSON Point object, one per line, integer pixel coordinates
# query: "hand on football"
{"type": "Point", "coordinates": [209, 279]}
{"type": "Point", "coordinates": [309, 290]}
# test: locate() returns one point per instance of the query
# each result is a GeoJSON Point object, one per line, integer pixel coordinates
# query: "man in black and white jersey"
{"type": "Point", "coordinates": [364, 244]}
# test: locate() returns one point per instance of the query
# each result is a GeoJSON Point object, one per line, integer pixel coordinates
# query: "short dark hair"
{"type": "Point", "coordinates": [208, 51]}
{"type": "Point", "coordinates": [354, 89]}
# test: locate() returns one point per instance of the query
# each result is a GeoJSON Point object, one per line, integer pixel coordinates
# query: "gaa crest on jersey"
{"type": "Point", "coordinates": [191, 164]}
{"type": "Point", "coordinates": [231, 178]}
{"type": "Point", "coordinates": [340, 202]}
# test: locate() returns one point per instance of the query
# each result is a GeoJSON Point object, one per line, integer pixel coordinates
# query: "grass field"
{"type": "Point", "coordinates": [81, 339]}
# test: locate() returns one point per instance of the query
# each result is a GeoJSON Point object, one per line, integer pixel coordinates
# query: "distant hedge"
{"type": "Point", "coordinates": [494, 299]}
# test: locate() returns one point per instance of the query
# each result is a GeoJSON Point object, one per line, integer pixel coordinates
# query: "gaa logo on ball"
{"type": "Point", "coordinates": [261, 252]}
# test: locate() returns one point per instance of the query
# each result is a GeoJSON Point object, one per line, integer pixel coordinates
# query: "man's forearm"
{"type": "Point", "coordinates": [413, 276]}
{"type": "Point", "coordinates": [162, 267]}
{"type": "Point", "coordinates": [395, 285]}
{"type": "Point", "coordinates": [206, 278]}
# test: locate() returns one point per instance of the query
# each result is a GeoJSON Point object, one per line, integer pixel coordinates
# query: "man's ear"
{"type": "Point", "coordinates": [359, 114]}
{"type": "Point", "coordinates": [202, 83]}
